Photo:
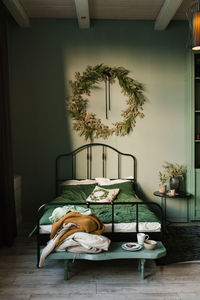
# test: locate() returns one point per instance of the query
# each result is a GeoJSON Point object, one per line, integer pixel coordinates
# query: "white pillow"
{"type": "Point", "coordinates": [102, 195]}
{"type": "Point", "coordinates": [114, 181]}
{"type": "Point", "coordinates": [78, 182]}
{"type": "Point", "coordinates": [102, 180]}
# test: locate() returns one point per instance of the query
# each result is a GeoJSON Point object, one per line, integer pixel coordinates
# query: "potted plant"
{"type": "Point", "coordinates": [163, 179]}
{"type": "Point", "coordinates": [175, 172]}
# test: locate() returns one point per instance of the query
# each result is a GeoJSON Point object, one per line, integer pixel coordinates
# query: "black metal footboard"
{"type": "Point", "coordinates": [114, 236]}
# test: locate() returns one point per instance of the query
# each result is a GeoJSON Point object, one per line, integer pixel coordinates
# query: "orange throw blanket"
{"type": "Point", "coordinates": [89, 224]}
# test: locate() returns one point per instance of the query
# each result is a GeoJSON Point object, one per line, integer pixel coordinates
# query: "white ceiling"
{"type": "Point", "coordinates": [159, 11]}
{"type": "Point", "coordinates": [101, 9]}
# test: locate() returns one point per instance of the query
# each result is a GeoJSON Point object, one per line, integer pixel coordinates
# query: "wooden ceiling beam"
{"type": "Point", "coordinates": [166, 13]}
{"type": "Point", "coordinates": [18, 12]}
{"type": "Point", "coordinates": [82, 10]}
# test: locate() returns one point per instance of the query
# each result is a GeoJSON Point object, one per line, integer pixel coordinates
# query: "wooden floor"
{"type": "Point", "coordinates": [118, 280]}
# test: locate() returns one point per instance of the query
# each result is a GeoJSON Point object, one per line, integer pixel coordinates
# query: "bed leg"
{"type": "Point", "coordinates": [66, 269]}
{"type": "Point", "coordinates": [38, 258]}
{"type": "Point", "coordinates": [38, 252]}
{"type": "Point", "coordinates": [141, 267]}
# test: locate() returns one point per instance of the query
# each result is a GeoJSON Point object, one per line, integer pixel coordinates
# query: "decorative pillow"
{"type": "Point", "coordinates": [102, 195]}
{"type": "Point", "coordinates": [78, 182]}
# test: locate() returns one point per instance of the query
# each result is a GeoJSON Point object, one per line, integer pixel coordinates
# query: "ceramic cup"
{"type": "Point", "coordinates": [172, 192]}
{"type": "Point", "coordinates": [141, 237]}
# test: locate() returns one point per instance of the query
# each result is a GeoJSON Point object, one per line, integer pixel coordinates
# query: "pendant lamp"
{"type": "Point", "coordinates": [196, 31]}
{"type": "Point", "coordinates": [193, 16]}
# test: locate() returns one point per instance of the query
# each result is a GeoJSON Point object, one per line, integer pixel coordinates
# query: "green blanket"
{"type": "Point", "coordinates": [122, 213]}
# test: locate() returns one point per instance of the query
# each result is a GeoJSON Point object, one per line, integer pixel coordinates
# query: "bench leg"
{"type": "Point", "coordinates": [66, 269]}
{"type": "Point", "coordinates": [141, 267]}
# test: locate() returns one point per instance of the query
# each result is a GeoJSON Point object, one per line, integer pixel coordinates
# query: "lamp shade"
{"type": "Point", "coordinates": [196, 31]}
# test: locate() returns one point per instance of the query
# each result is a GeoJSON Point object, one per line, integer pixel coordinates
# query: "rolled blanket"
{"type": "Point", "coordinates": [82, 242]}
{"type": "Point", "coordinates": [89, 224]}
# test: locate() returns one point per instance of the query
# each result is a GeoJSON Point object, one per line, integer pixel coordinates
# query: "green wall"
{"type": "Point", "coordinates": [42, 60]}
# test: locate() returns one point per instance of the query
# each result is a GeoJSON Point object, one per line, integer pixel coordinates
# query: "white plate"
{"type": "Point", "coordinates": [135, 246]}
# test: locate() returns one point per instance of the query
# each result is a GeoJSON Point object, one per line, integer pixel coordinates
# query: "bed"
{"type": "Point", "coordinates": [94, 165]}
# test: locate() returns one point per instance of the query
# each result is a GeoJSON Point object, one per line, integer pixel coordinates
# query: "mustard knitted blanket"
{"type": "Point", "coordinates": [89, 224]}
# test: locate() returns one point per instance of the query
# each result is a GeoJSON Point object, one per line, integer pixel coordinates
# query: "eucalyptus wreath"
{"type": "Point", "coordinates": [86, 122]}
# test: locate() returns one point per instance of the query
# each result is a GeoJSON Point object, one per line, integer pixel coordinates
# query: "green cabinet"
{"type": "Point", "coordinates": [197, 134]}
{"type": "Point", "coordinates": [193, 133]}
{"type": "Point", "coordinates": [197, 109]}
{"type": "Point", "coordinates": [197, 195]}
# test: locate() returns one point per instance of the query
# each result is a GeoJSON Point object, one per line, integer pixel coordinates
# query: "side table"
{"type": "Point", "coordinates": [164, 197]}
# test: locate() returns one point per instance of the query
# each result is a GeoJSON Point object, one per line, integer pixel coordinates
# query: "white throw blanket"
{"type": "Point", "coordinates": [78, 242]}
{"type": "Point", "coordinates": [82, 242]}
{"type": "Point", "coordinates": [52, 243]}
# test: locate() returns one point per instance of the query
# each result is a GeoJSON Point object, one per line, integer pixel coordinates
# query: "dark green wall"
{"type": "Point", "coordinates": [42, 60]}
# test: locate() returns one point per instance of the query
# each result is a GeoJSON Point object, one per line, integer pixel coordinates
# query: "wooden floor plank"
{"type": "Point", "coordinates": [189, 296]}
{"type": "Point", "coordinates": [139, 296]}
{"type": "Point", "coordinates": [14, 297]}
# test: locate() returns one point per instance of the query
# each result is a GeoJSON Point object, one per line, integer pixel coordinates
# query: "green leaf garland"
{"type": "Point", "coordinates": [87, 123]}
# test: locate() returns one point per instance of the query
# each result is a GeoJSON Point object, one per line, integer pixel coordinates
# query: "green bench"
{"type": "Point", "coordinates": [115, 252]}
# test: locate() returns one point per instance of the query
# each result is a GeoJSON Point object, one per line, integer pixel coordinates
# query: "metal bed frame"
{"type": "Point", "coordinates": [114, 236]}
{"type": "Point", "coordinates": [89, 158]}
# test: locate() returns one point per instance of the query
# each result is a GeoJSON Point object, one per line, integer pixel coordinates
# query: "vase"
{"type": "Point", "coordinates": [162, 188]}
{"type": "Point", "coordinates": [174, 183]}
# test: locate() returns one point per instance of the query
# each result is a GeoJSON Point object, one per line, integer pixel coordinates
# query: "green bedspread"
{"type": "Point", "coordinates": [122, 213]}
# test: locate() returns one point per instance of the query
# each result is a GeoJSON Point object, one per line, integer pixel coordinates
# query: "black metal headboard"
{"type": "Point", "coordinates": [68, 162]}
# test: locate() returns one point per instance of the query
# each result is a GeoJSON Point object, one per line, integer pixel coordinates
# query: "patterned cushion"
{"type": "Point", "coordinates": [100, 194]}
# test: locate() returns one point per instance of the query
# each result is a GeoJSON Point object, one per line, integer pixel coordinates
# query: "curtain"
{"type": "Point", "coordinates": [7, 204]}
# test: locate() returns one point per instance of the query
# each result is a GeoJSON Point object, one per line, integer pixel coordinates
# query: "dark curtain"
{"type": "Point", "coordinates": [7, 203]}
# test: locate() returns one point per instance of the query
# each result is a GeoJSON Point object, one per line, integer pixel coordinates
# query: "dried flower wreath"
{"type": "Point", "coordinates": [87, 123]}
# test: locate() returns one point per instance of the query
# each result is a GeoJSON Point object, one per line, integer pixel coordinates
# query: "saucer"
{"type": "Point", "coordinates": [168, 194]}
{"type": "Point", "coordinates": [131, 246]}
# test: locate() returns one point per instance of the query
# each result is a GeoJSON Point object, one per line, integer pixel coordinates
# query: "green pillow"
{"type": "Point", "coordinates": [125, 187]}
{"type": "Point", "coordinates": [83, 189]}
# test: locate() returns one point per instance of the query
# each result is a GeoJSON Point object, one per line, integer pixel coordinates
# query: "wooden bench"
{"type": "Point", "coordinates": [115, 252]}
